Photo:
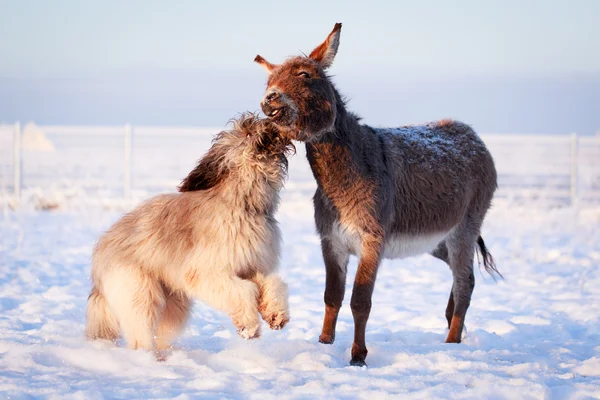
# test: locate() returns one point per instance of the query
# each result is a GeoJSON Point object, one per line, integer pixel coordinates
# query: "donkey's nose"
{"type": "Point", "coordinates": [271, 96]}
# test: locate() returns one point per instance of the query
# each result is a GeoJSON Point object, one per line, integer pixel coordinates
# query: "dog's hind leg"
{"type": "Point", "coordinates": [273, 301]}
{"type": "Point", "coordinates": [137, 300]}
{"type": "Point", "coordinates": [231, 294]}
{"type": "Point", "coordinates": [174, 317]}
{"type": "Point", "coordinates": [101, 323]}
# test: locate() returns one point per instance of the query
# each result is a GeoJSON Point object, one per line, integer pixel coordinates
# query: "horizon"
{"type": "Point", "coordinates": [539, 105]}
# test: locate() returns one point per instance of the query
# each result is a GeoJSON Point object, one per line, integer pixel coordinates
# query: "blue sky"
{"type": "Point", "coordinates": [190, 62]}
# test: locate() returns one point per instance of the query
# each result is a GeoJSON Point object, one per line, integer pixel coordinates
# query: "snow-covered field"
{"type": "Point", "coordinates": [535, 334]}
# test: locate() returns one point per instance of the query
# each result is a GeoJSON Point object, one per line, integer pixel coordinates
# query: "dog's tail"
{"type": "Point", "coordinates": [101, 323]}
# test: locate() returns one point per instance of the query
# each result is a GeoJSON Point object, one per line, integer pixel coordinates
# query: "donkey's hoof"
{"type": "Point", "coordinates": [453, 340]}
{"type": "Point", "coordinates": [358, 362]}
{"type": "Point", "coordinates": [453, 337]}
{"type": "Point", "coordinates": [327, 339]}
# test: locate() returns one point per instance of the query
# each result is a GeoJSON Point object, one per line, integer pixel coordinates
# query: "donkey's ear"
{"type": "Point", "coordinates": [265, 64]}
{"type": "Point", "coordinates": [208, 173]}
{"type": "Point", "coordinates": [326, 51]}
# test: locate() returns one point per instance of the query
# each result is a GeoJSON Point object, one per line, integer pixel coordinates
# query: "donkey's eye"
{"type": "Point", "coordinates": [303, 74]}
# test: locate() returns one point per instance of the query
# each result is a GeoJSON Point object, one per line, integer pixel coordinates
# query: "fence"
{"type": "Point", "coordinates": [53, 166]}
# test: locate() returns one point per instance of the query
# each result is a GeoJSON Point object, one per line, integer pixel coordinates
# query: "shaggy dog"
{"type": "Point", "coordinates": [216, 241]}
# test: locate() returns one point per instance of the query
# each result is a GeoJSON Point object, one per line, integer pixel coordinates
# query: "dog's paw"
{"type": "Point", "coordinates": [162, 355]}
{"type": "Point", "coordinates": [249, 333]}
{"type": "Point", "coordinates": [277, 320]}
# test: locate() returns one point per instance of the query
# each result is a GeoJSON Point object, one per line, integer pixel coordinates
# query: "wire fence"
{"type": "Point", "coordinates": [116, 166]}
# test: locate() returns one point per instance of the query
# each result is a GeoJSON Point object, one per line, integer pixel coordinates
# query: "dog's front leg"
{"type": "Point", "coordinates": [231, 294]}
{"type": "Point", "coordinates": [273, 301]}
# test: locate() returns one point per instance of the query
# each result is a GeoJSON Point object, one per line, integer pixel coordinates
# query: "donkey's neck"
{"type": "Point", "coordinates": [346, 137]}
{"type": "Point", "coordinates": [345, 157]}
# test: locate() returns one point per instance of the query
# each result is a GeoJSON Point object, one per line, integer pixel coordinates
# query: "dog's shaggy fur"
{"type": "Point", "coordinates": [216, 241]}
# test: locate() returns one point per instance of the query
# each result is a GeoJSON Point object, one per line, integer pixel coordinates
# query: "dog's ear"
{"type": "Point", "coordinates": [208, 173]}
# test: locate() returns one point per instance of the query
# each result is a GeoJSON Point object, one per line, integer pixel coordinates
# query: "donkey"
{"type": "Point", "coordinates": [382, 192]}
{"type": "Point", "coordinates": [216, 241]}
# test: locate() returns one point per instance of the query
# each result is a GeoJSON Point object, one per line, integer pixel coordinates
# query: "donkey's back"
{"type": "Point", "coordinates": [442, 173]}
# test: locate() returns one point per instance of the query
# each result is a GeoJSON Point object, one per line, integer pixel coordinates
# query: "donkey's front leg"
{"type": "Point", "coordinates": [336, 265]}
{"type": "Point", "coordinates": [362, 292]}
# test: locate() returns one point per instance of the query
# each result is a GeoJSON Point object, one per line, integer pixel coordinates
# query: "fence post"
{"type": "Point", "coordinates": [17, 161]}
{"type": "Point", "coordinates": [127, 164]}
{"type": "Point", "coordinates": [574, 172]}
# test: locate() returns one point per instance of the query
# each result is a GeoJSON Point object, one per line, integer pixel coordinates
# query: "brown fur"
{"type": "Point", "coordinates": [216, 241]}
{"type": "Point", "coordinates": [382, 193]}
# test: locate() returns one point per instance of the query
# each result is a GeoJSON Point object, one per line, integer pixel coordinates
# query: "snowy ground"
{"type": "Point", "coordinates": [534, 335]}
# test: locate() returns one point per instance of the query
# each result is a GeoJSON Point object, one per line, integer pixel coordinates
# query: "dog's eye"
{"type": "Point", "coordinates": [303, 74]}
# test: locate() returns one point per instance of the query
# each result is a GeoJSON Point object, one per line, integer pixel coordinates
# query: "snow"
{"type": "Point", "coordinates": [34, 139]}
{"type": "Point", "coordinates": [535, 334]}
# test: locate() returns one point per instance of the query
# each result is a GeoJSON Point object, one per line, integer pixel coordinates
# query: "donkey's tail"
{"type": "Point", "coordinates": [101, 323]}
{"type": "Point", "coordinates": [488, 260]}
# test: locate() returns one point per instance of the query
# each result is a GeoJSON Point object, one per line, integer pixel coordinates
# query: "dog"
{"type": "Point", "coordinates": [216, 241]}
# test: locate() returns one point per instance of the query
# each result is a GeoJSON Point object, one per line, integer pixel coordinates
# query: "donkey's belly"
{"type": "Point", "coordinates": [397, 246]}
{"type": "Point", "coordinates": [400, 246]}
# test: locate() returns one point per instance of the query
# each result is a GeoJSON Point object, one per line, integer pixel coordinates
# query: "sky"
{"type": "Point", "coordinates": [503, 66]}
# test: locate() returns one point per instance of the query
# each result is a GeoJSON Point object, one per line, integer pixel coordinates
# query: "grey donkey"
{"type": "Point", "coordinates": [382, 192]}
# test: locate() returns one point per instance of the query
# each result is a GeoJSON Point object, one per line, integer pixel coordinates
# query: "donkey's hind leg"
{"type": "Point", "coordinates": [450, 307]}
{"type": "Point", "coordinates": [336, 264]}
{"type": "Point", "coordinates": [441, 252]}
{"type": "Point", "coordinates": [461, 247]}
{"type": "Point", "coordinates": [174, 317]}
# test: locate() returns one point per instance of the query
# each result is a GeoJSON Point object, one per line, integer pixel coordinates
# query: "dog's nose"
{"type": "Point", "coordinates": [271, 96]}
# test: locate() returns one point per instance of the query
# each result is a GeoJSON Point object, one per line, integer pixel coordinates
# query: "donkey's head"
{"type": "Point", "coordinates": [254, 150]}
{"type": "Point", "coordinates": [299, 94]}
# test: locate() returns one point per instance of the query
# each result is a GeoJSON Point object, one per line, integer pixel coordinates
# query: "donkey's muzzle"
{"type": "Point", "coordinates": [271, 97]}
{"type": "Point", "coordinates": [275, 106]}
{"type": "Point", "coordinates": [273, 112]}
{"type": "Point", "coordinates": [268, 109]}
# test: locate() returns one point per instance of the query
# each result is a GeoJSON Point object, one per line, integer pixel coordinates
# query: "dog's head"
{"type": "Point", "coordinates": [253, 150]}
